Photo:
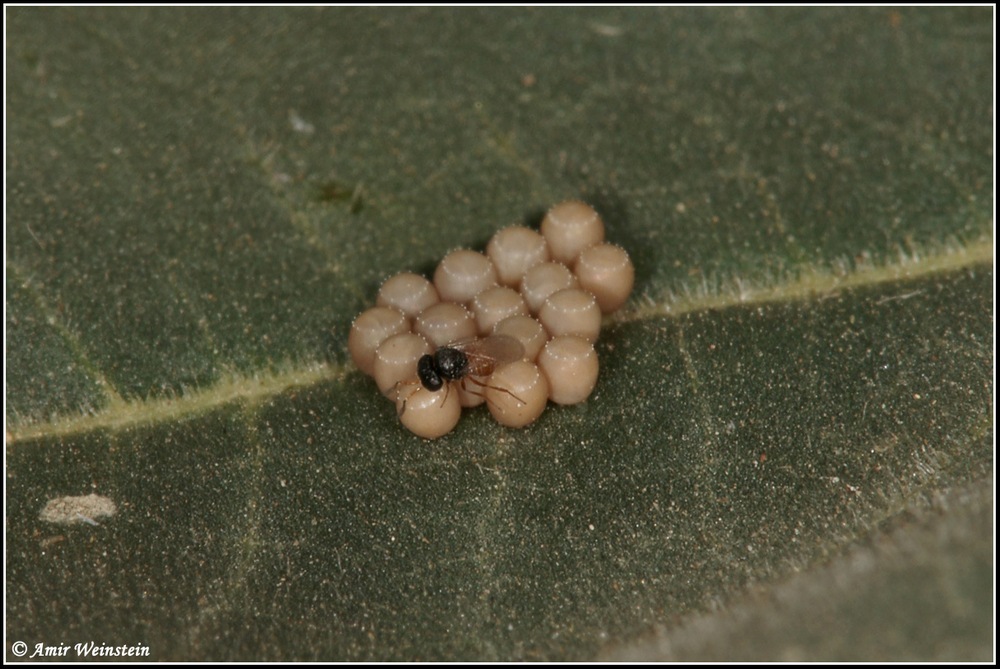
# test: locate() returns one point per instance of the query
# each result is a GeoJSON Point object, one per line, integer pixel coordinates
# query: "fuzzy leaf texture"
{"type": "Point", "coordinates": [788, 455]}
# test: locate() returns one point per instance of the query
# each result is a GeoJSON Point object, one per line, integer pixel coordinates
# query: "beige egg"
{"type": "Point", "coordinates": [517, 394]}
{"type": "Point", "coordinates": [445, 322]}
{"type": "Point", "coordinates": [463, 274]}
{"type": "Point", "coordinates": [396, 361]}
{"type": "Point", "coordinates": [369, 330]}
{"type": "Point", "coordinates": [408, 292]}
{"type": "Point", "coordinates": [606, 271]}
{"type": "Point", "coordinates": [571, 311]}
{"type": "Point", "coordinates": [526, 330]}
{"type": "Point", "coordinates": [428, 414]}
{"type": "Point", "coordinates": [471, 390]}
{"type": "Point", "coordinates": [570, 227]}
{"type": "Point", "coordinates": [570, 366]}
{"type": "Point", "coordinates": [495, 304]}
{"type": "Point", "coordinates": [514, 250]}
{"type": "Point", "coordinates": [543, 280]}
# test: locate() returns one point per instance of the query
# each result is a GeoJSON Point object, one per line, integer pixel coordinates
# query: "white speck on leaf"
{"type": "Point", "coordinates": [299, 124]}
{"type": "Point", "coordinates": [78, 510]}
{"type": "Point", "coordinates": [607, 30]}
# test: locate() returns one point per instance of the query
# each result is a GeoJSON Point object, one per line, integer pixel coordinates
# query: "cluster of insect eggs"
{"type": "Point", "coordinates": [514, 327]}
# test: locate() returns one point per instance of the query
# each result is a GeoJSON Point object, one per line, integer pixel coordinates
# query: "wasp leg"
{"type": "Point", "coordinates": [402, 408]}
{"type": "Point", "coordinates": [483, 384]}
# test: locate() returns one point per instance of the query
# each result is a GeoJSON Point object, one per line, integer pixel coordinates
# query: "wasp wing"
{"type": "Point", "coordinates": [487, 353]}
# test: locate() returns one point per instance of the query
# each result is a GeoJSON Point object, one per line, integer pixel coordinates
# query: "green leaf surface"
{"type": "Point", "coordinates": [795, 408]}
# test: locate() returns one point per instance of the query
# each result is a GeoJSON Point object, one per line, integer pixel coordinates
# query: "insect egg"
{"type": "Point", "coordinates": [570, 365]}
{"type": "Point", "coordinates": [426, 413]}
{"type": "Point", "coordinates": [569, 228]}
{"type": "Point", "coordinates": [369, 330]}
{"type": "Point", "coordinates": [517, 394]}
{"type": "Point", "coordinates": [408, 292]}
{"type": "Point", "coordinates": [571, 311]}
{"type": "Point", "coordinates": [542, 280]}
{"type": "Point", "coordinates": [526, 330]}
{"type": "Point", "coordinates": [470, 395]}
{"type": "Point", "coordinates": [606, 271]}
{"type": "Point", "coordinates": [396, 361]}
{"type": "Point", "coordinates": [463, 274]}
{"type": "Point", "coordinates": [495, 304]}
{"type": "Point", "coordinates": [514, 250]}
{"type": "Point", "coordinates": [445, 322]}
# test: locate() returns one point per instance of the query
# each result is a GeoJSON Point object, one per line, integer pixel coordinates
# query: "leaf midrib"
{"type": "Point", "coordinates": [811, 283]}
